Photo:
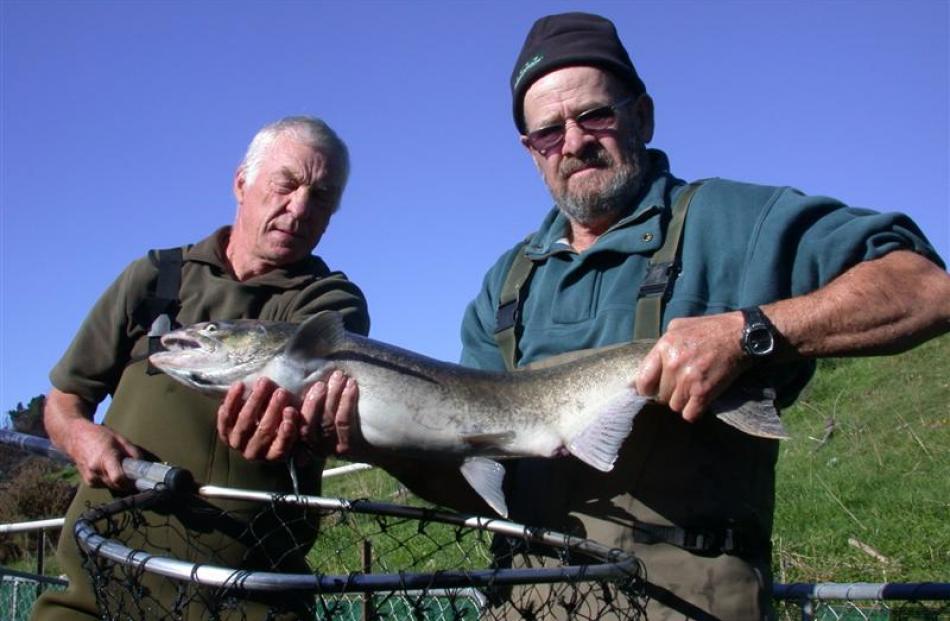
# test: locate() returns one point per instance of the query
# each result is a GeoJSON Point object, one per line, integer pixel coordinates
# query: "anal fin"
{"type": "Point", "coordinates": [486, 476]}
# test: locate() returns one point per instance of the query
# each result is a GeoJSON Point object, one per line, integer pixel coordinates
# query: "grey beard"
{"type": "Point", "coordinates": [588, 207]}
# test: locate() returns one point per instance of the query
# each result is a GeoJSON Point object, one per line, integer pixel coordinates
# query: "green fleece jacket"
{"type": "Point", "coordinates": [742, 245]}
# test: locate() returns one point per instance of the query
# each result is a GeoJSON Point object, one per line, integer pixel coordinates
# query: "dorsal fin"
{"type": "Point", "coordinates": [317, 337]}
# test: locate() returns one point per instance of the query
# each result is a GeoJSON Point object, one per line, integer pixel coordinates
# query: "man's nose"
{"type": "Point", "coordinates": [299, 202]}
{"type": "Point", "coordinates": [575, 138]}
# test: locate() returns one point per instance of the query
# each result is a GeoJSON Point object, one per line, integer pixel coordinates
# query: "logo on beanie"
{"type": "Point", "coordinates": [527, 66]}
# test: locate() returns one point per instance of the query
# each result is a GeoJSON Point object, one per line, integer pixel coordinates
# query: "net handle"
{"type": "Point", "coordinates": [146, 474]}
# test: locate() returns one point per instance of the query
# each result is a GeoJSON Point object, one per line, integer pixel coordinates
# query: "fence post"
{"type": "Point", "coordinates": [808, 609]}
{"type": "Point", "coordinates": [40, 559]}
{"type": "Point", "coordinates": [366, 556]}
{"type": "Point", "coordinates": [13, 607]}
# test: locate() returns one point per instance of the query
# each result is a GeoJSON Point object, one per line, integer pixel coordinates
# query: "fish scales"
{"type": "Point", "coordinates": [584, 406]}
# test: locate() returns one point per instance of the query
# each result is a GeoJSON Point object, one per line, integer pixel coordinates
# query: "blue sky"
{"type": "Point", "coordinates": [122, 123]}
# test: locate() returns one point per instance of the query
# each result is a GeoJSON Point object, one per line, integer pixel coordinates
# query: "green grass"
{"type": "Point", "coordinates": [398, 544]}
{"type": "Point", "coordinates": [872, 502]}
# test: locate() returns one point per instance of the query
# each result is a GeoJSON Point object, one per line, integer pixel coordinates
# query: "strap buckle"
{"type": "Point", "coordinates": [161, 326]}
{"type": "Point", "coordinates": [506, 316]}
{"type": "Point", "coordinates": [658, 278]}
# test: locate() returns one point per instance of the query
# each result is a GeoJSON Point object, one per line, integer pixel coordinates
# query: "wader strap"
{"type": "Point", "coordinates": [662, 271]}
{"type": "Point", "coordinates": [162, 304]}
{"type": "Point", "coordinates": [509, 305]}
{"type": "Point", "coordinates": [699, 540]}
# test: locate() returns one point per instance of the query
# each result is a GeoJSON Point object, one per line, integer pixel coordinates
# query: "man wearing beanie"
{"type": "Point", "coordinates": [760, 282]}
{"type": "Point", "coordinates": [735, 280]}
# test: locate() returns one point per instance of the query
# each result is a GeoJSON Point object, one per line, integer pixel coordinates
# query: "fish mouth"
{"type": "Point", "coordinates": [179, 342]}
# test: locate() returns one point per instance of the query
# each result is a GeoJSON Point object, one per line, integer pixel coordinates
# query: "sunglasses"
{"type": "Point", "coordinates": [598, 119]}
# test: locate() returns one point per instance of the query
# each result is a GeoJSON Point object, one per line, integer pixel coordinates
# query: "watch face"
{"type": "Point", "coordinates": [759, 341]}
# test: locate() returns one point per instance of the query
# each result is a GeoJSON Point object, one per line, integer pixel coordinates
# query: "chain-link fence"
{"type": "Point", "coordinates": [18, 592]}
{"type": "Point", "coordinates": [863, 611]}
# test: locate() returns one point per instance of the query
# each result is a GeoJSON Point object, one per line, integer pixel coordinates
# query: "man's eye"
{"type": "Point", "coordinates": [547, 132]}
{"type": "Point", "coordinates": [596, 117]}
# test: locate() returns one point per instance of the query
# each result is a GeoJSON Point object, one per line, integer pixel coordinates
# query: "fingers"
{"type": "Point", "coordinates": [129, 449]}
{"type": "Point", "coordinates": [311, 412]}
{"type": "Point", "coordinates": [347, 418]}
{"type": "Point", "coordinates": [112, 474]}
{"type": "Point", "coordinates": [648, 375]}
{"type": "Point", "coordinates": [100, 461]}
{"type": "Point", "coordinates": [335, 386]}
{"type": "Point", "coordinates": [285, 436]}
{"type": "Point", "coordinates": [229, 409]}
{"type": "Point", "coordinates": [266, 433]}
{"type": "Point", "coordinates": [692, 363]}
{"type": "Point", "coordinates": [250, 414]}
{"type": "Point", "coordinates": [330, 414]}
{"type": "Point", "coordinates": [268, 424]}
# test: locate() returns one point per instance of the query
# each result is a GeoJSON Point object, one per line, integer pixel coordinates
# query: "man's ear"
{"type": "Point", "coordinates": [643, 113]}
{"type": "Point", "coordinates": [239, 185]}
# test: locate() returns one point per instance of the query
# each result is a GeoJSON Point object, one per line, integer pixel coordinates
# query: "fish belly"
{"type": "Point", "coordinates": [437, 426]}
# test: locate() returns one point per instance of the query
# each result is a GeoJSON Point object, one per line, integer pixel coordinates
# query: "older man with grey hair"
{"type": "Point", "coordinates": [287, 187]}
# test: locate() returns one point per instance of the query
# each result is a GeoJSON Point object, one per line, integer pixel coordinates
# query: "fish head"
{"type": "Point", "coordinates": [212, 355]}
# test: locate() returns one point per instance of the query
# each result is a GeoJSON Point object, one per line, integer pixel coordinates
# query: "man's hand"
{"type": "Point", "coordinates": [270, 422]}
{"type": "Point", "coordinates": [694, 361]}
{"type": "Point", "coordinates": [96, 450]}
{"type": "Point", "coordinates": [264, 426]}
{"type": "Point", "coordinates": [331, 418]}
{"type": "Point", "coordinates": [98, 453]}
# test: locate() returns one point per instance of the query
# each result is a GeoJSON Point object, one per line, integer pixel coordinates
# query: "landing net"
{"type": "Point", "coordinates": [235, 554]}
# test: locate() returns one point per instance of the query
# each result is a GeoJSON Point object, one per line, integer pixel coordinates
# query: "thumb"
{"type": "Point", "coordinates": [647, 381]}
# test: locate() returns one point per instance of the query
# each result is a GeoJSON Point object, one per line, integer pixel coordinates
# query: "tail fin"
{"type": "Point", "coordinates": [751, 411]}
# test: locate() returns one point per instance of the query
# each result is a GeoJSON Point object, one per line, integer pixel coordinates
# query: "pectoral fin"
{"type": "Point", "coordinates": [598, 444]}
{"type": "Point", "coordinates": [486, 476]}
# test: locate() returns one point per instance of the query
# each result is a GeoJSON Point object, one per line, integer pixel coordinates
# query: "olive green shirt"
{"type": "Point", "coordinates": [113, 333]}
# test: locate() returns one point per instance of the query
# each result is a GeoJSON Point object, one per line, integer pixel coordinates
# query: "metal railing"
{"type": "Point", "coordinates": [828, 601]}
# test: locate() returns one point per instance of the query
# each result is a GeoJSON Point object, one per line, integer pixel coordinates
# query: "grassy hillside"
{"type": "Point", "coordinates": [864, 485]}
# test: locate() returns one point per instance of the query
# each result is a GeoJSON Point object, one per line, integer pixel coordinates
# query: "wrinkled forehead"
{"type": "Point", "coordinates": [291, 157]}
{"type": "Point", "coordinates": [568, 91]}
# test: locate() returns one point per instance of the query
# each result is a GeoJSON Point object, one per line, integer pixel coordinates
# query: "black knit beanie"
{"type": "Point", "coordinates": [566, 40]}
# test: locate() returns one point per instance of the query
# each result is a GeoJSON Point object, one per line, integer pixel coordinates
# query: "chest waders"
{"type": "Point", "coordinates": [177, 425]}
{"type": "Point", "coordinates": [669, 472]}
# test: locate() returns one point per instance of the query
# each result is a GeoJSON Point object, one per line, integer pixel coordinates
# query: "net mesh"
{"type": "Point", "coordinates": [163, 556]}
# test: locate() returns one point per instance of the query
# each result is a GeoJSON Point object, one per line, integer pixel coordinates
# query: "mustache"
{"type": "Point", "coordinates": [596, 157]}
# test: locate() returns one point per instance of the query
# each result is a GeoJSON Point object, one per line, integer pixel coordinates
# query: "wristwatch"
{"type": "Point", "coordinates": [759, 335]}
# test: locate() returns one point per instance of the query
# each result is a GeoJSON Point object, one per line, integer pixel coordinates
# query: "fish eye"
{"type": "Point", "coordinates": [211, 327]}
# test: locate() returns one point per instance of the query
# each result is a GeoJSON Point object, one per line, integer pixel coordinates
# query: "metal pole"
{"type": "Point", "coordinates": [808, 610]}
{"type": "Point", "coordinates": [40, 558]}
{"type": "Point", "coordinates": [368, 613]}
